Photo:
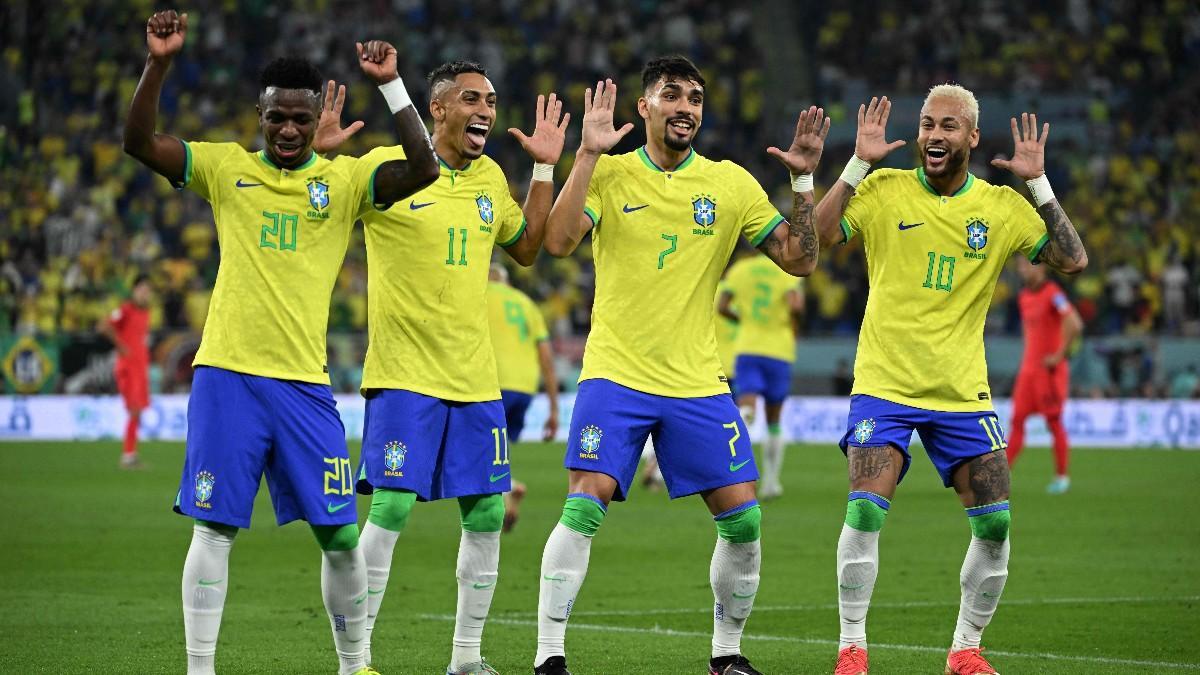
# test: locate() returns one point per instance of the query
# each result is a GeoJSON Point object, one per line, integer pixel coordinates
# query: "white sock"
{"type": "Point", "coordinates": [377, 544]}
{"type": "Point", "coordinates": [773, 460]}
{"type": "Point", "coordinates": [747, 412]}
{"type": "Point", "coordinates": [984, 572]}
{"type": "Point", "coordinates": [478, 569]}
{"type": "Point", "coordinates": [205, 583]}
{"type": "Point", "coordinates": [733, 574]}
{"type": "Point", "coordinates": [857, 568]}
{"type": "Point", "coordinates": [564, 566]}
{"type": "Point", "coordinates": [344, 589]}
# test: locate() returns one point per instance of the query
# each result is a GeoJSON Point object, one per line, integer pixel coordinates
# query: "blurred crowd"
{"type": "Point", "coordinates": [78, 219]}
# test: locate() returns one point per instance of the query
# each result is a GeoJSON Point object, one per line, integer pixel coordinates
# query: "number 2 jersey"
{"type": "Point", "coordinates": [661, 240]}
{"type": "Point", "coordinates": [932, 265]}
{"type": "Point", "coordinates": [283, 235]}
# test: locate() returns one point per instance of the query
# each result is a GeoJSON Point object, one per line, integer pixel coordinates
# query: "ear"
{"type": "Point", "coordinates": [436, 110]}
{"type": "Point", "coordinates": [644, 108]}
{"type": "Point", "coordinates": [974, 138]}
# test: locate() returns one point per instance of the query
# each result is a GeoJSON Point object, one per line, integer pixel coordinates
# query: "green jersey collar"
{"type": "Point", "coordinates": [641, 152]}
{"type": "Point", "coordinates": [312, 159]}
{"type": "Point", "coordinates": [442, 163]}
{"type": "Point", "coordinates": [957, 193]}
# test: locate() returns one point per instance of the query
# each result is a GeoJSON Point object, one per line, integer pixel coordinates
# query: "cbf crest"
{"type": "Point", "coordinates": [204, 489]}
{"type": "Point", "coordinates": [977, 230]}
{"type": "Point", "coordinates": [483, 203]}
{"type": "Point", "coordinates": [863, 430]}
{"type": "Point", "coordinates": [704, 210]}
{"type": "Point", "coordinates": [589, 442]}
{"type": "Point", "coordinates": [318, 194]}
{"type": "Point", "coordinates": [393, 458]}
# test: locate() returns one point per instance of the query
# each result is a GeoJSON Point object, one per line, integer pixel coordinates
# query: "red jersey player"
{"type": "Point", "coordinates": [1050, 325]}
{"type": "Point", "coordinates": [128, 328]}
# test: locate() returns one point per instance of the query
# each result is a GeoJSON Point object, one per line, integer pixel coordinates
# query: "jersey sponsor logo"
{"type": "Point", "coordinates": [977, 230]}
{"type": "Point", "coordinates": [863, 430]}
{"type": "Point", "coordinates": [331, 508]}
{"type": "Point", "coordinates": [704, 210]}
{"type": "Point", "coordinates": [483, 203]}
{"type": "Point", "coordinates": [318, 194]}
{"type": "Point", "coordinates": [394, 454]}
{"type": "Point", "coordinates": [413, 205]}
{"type": "Point", "coordinates": [630, 209]}
{"type": "Point", "coordinates": [240, 184]}
{"type": "Point", "coordinates": [204, 489]}
{"type": "Point", "coordinates": [589, 442]}
{"type": "Point", "coordinates": [910, 225]}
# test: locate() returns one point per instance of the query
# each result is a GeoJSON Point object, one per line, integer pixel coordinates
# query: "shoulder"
{"type": "Point", "coordinates": [889, 178]}
{"type": "Point", "coordinates": [726, 170]}
{"type": "Point", "coordinates": [489, 170]}
{"type": "Point", "coordinates": [1000, 194]}
{"type": "Point", "coordinates": [217, 152]}
{"type": "Point", "coordinates": [378, 155]}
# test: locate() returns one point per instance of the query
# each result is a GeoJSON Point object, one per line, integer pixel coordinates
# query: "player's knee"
{"type": "Point", "coordinates": [214, 532]}
{"type": "Point", "coordinates": [481, 513]}
{"type": "Point", "coordinates": [866, 511]}
{"type": "Point", "coordinates": [336, 537]}
{"type": "Point", "coordinates": [583, 513]}
{"type": "Point", "coordinates": [990, 522]}
{"type": "Point", "coordinates": [741, 524]}
{"type": "Point", "coordinates": [390, 509]}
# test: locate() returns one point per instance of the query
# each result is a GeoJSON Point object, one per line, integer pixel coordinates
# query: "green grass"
{"type": "Point", "coordinates": [1101, 579]}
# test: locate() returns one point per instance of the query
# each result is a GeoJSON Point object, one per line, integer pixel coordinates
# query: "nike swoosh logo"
{"type": "Point", "coordinates": [493, 478]}
{"type": "Point", "coordinates": [480, 587]}
{"type": "Point", "coordinates": [214, 582]}
{"type": "Point", "coordinates": [413, 205]}
{"type": "Point", "coordinates": [739, 596]}
{"type": "Point", "coordinates": [850, 588]}
{"type": "Point", "coordinates": [240, 184]}
{"type": "Point", "coordinates": [362, 598]}
{"type": "Point", "coordinates": [989, 595]}
{"type": "Point", "coordinates": [371, 592]}
{"type": "Point", "coordinates": [553, 578]}
{"type": "Point", "coordinates": [910, 225]}
{"type": "Point", "coordinates": [735, 467]}
{"type": "Point", "coordinates": [334, 509]}
{"type": "Point", "coordinates": [630, 209]}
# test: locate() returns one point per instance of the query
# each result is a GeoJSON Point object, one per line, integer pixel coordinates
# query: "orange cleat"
{"type": "Point", "coordinates": [968, 662]}
{"type": "Point", "coordinates": [851, 661]}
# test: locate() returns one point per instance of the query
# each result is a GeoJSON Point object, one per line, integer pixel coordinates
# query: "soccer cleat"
{"type": "Point", "coordinates": [480, 667]}
{"type": "Point", "coordinates": [367, 671]}
{"type": "Point", "coordinates": [555, 665]}
{"type": "Point", "coordinates": [1059, 485]}
{"type": "Point", "coordinates": [851, 661]}
{"type": "Point", "coordinates": [968, 662]}
{"type": "Point", "coordinates": [131, 461]}
{"type": "Point", "coordinates": [731, 665]}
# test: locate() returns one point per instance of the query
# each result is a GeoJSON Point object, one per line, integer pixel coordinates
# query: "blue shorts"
{"type": "Point", "coordinates": [436, 448]}
{"type": "Point", "coordinates": [516, 404]}
{"type": "Point", "coordinates": [701, 443]}
{"type": "Point", "coordinates": [763, 376]}
{"type": "Point", "coordinates": [242, 425]}
{"type": "Point", "coordinates": [950, 438]}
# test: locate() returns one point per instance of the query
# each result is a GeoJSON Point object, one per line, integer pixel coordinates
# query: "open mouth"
{"type": "Point", "coordinates": [681, 126]}
{"type": "Point", "coordinates": [288, 150]}
{"type": "Point", "coordinates": [935, 155]}
{"type": "Point", "coordinates": [476, 134]}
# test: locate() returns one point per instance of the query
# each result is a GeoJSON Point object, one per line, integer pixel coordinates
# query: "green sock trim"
{"type": "Point", "coordinates": [227, 530]}
{"type": "Point", "coordinates": [865, 515]}
{"type": "Point", "coordinates": [582, 515]}
{"type": "Point", "coordinates": [390, 508]}
{"type": "Point", "coordinates": [481, 513]}
{"type": "Point", "coordinates": [336, 537]}
{"type": "Point", "coordinates": [773, 429]}
{"type": "Point", "coordinates": [991, 526]}
{"type": "Point", "coordinates": [742, 527]}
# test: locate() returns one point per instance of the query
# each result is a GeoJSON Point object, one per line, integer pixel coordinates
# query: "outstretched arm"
{"type": "Point", "coordinates": [550, 381]}
{"type": "Point", "coordinates": [725, 307]}
{"type": "Point", "coordinates": [795, 249]}
{"type": "Point", "coordinates": [165, 154]}
{"type": "Point", "coordinates": [545, 147]}
{"type": "Point", "coordinates": [1064, 250]}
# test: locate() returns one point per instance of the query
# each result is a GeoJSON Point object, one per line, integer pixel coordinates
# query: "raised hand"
{"type": "Point", "coordinates": [165, 32]}
{"type": "Point", "coordinates": [809, 142]}
{"type": "Point", "coordinates": [871, 144]}
{"type": "Point", "coordinates": [599, 135]}
{"type": "Point", "coordinates": [377, 60]}
{"type": "Point", "coordinates": [1029, 154]}
{"type": "Point", "coordinates": [549, 131]}
{"type": "Point", "coordinates": [329, 132]}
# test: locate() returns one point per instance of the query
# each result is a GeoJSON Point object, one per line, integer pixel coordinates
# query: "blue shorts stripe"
{"type": "Point", "coordinates": [878, 500]}
{"type": "Point", "coordinates": [590, 498]}
{"type": "Point", "coordinates": [736, 510]}
{"type": "Point", "coordinates": [987, 508]}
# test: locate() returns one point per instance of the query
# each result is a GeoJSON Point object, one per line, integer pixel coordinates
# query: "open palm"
{"type": "Point", "coordinates": [549, 131]}
{"type": "Point", "coordinates": [1029, 151]}
{"type": "Point", "coordinates": [871, 144]}
{"type": "Point", "coordinates": [599, 135]}
{"type": "Point", "coordinates": [805, 152]}
{"type": "Point", "coordinates": [330, 133]}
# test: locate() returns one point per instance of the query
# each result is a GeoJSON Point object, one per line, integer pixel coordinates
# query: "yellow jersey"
{"type": "Point", "coordinates": [661, 240]}
{"type": "Point", "coordinates": [517, 327]}
{"type": "Point", "coordinates": [760, 297]}
{"type": "Point", "coordinates": [932, 266]}
{"type": "Point", "coordinates": [282, 234]}
{"type": "Point", "coordinates": [427, 277]}
{"type": "Point", "coordinates": [726, 335]}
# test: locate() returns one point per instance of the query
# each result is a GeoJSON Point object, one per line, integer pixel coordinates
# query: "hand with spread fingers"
{"type": "Point", "coordinates": [805, 152]}
{"type": "Point", "coordinates": [330, 133]}
{"type": "Point", "coordinates": [377, 60]}
{"type": "Point", "coordinates": [165, 33]}
{"type": "Point", "coordinates": [549, 131]}
{"type": "Point", "coordinates": [1029, 152]}
{"type": "Point", "coordinates": [599, 134]}
{"type": "Point", "coordinates": [871, 144]}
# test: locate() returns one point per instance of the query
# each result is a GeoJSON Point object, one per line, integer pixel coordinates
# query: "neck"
{"type": "Point", "coordinates": [947, 185]}
{"type": "Point", "coordinates": [448, 154]}
{"type": "Point", "coordinates": [290, 164]}
{"type": "Point", "coordinates": [665, 158]}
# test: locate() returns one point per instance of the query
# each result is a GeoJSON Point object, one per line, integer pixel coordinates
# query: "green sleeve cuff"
{"type": "Point", "coordinates": [1037, 248]}
{"type": "Point", "coordinates": [187, 167]}
{"type": "Point", "coordinates": [766, 231]}
{"type": "Point", "coordinates": [371, 190]}
{"type": "Point", "coordinates": [591, 215]}
{"type": "Point", "coordinates": [847, 233]}
{"type": "Point", "coordinates": [517, 236]}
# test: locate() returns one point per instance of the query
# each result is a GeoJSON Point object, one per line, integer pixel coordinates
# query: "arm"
{"type": "Point", "coordinates": [1063, 251]}
{"type": "Point", "coordinates": [105, 327]}
{"type": "Point", "coordinates": [545, 147]}
{"type": "Point", "coordinates": [796, 308]}
{"type": "Point", "coordinates": [550, 382]}
{"type": "Point", "coordinates": [725, 307]}
{"type": "Point", "coordinates": [796, 248]}
{"type": "Point", "coordinates": [1072, 326]}
{"type": "Point", "coordinates": [165, 154]}
{"type": "Point", "coordinates": [567, 223]}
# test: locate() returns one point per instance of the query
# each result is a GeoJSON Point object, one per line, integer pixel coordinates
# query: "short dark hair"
{"type": "Point", "coordinates": [291, 72]}
{"type": "Point", "coordinates": [672, 68]}
{"type": "Point", "coordinates": [452, 69]}
{"type": "Point", "coordinates": [139, 279]}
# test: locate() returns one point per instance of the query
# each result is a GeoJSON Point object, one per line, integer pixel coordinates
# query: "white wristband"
{"type": "Point", "coordinates": [855, 171]}
{"type": "Point", "coordinates": [1040, 188]}
{"type": "Point", "coordinates": [543, 172]}
{"type": "Point", "coordinates": [395, 94]}
{"type": "Point", "coordinates": [802, 183]}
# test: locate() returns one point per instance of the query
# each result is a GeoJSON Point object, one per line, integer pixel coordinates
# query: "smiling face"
{"type": "Point", "coordinates": [464, 111]}
{"type": "Point", "coordinates": [946, 136]}
{"type": "Point", "coordinates": [673, 110]}
{"type": "Point", "coordinates": [288, 118]}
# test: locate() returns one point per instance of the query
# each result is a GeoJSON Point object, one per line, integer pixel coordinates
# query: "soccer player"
{"type": "Point", "coordinates": [434, 426]}
{"type": "Point", "coordinates": [522, 347]}
{"type": "Point", "coordinates": [128, 328]}
{"type": "Point", "coordinates": [1050, 324]}
{"type": "Point", "coordinates": [260, 396]}
{"type": "Point", "coordinates": [664, 222]}
{"type": "Point", "coordinates": [765, 302]}
{"type": "Point", "coordinates": [936, 240]}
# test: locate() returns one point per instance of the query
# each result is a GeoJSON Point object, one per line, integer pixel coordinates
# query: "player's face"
{"type": "Point", "coordinates": [288, 118]}
{"type": "Point", "coordinates": [673, 110]}
{"type": "Point", "coordinates": [464, 113]}
{"type": "Point", "coordinates": [946, 137]}
{"type": "Point", "coordinates": [141, 294]}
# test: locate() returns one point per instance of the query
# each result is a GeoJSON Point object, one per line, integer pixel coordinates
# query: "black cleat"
{"type": "Point", "coordinates": [556, 665]}
{"type": "Point", "coordinates": [731, 665]}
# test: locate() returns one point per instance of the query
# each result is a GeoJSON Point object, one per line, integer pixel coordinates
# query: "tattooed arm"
{"type": "Point", "coordinates": [828, 213]}
{"type": "Point", "coordinates": [796, 248]}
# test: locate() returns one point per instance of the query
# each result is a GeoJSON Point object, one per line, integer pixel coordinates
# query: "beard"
{"type": "Point", "coordinates": [674, 143]}
{"type": "Point", "coordinates": [955, 160]}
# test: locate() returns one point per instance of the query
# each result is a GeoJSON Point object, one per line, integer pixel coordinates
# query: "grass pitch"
{"type": "Point", "coordinates": [1102, 580]}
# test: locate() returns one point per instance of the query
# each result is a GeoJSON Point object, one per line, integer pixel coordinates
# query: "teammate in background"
{"type": "Point", "coordinates": [936, 240]}
{"type": "Point", "coordinates": [128, 328]}
{"type": "Point", "coordinates": [260, 396]}
{"type": "Point", "coordinates": [434, 426]}
{"type": "Point", "coordinates": [522, 346]}
{"type": "Point", "coordinates": [766, 303]}
{"type": "Point", "coordinates": [664, 222]}
{"type": "Point", "coordinates": [1050, 324]}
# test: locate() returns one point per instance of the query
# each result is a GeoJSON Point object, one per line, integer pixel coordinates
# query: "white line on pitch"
{"type": "Point", "coordinates": [656, 630]}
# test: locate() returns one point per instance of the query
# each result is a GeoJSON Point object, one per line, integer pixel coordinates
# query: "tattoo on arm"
{"type": "Point", "coordinates": [988, 477]}
{"type": "Point", "coordinates": [801, 227]}
{"type": "Point", "coordinates": [1064, 250]}
{"type": "Point", "coordinates": [869, 463]}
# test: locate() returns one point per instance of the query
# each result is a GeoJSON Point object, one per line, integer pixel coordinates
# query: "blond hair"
{"type": "Point", "coordinates": [960, 95]}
